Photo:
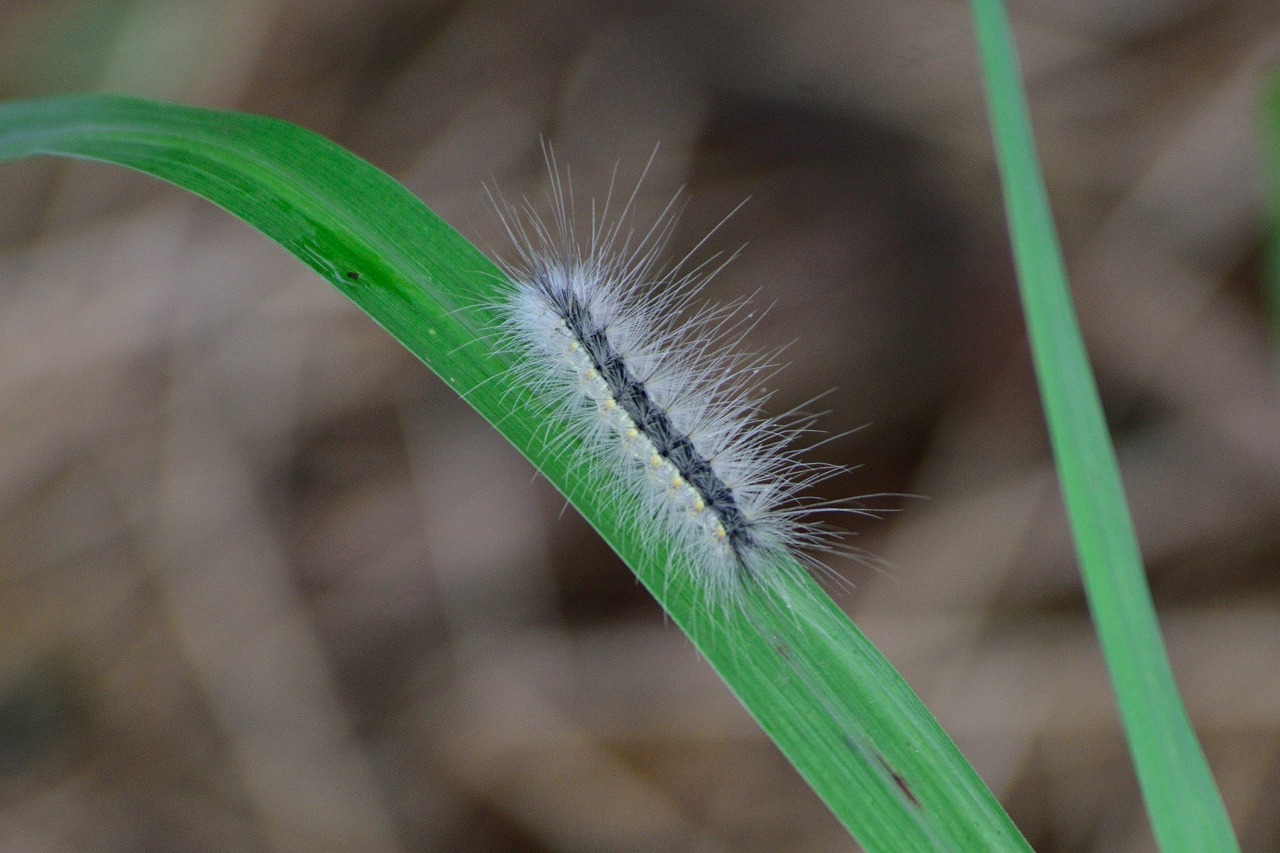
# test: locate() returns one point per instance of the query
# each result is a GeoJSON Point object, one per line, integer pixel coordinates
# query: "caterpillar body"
{"type": "Point", "coordinates": [657, 386]}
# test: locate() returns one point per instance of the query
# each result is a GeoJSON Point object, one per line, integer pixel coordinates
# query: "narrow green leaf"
{"type": "Point", "coordinates": [1184, 806]}
{"type": "Point", "coordinates": [830, 701]}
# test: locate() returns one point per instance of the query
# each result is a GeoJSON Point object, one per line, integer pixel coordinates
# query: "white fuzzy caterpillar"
{"type": "Point", "coordinates": [658, 389]}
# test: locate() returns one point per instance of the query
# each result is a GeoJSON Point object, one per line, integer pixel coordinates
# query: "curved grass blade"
{"type": "Point", "coordinates": [835, 707]}
{"type": "Point", "coordinates": [1186, 811]}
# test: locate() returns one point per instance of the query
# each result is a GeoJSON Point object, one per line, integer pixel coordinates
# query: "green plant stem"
{"type": "Point", "coordinates": [832, 703]}
{"type": "Point", "coordinates": [1184, 806]}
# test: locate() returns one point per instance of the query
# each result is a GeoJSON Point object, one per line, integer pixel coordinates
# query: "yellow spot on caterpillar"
{"type": "Point", "coordinates": [698, 505]}
{"type": "Point", "coordinates": [721, 533]}
{"type": "Point", "coordinates": [655, 460]}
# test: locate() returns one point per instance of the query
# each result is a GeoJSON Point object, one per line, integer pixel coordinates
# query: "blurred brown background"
{"type": "Point", "coordinates": [265, 585]}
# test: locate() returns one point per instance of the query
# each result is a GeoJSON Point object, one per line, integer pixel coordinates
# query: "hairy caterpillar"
{"type": "Point", "coordinates": [656, 386]}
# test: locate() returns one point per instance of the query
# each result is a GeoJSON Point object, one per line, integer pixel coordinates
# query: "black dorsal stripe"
{"type": "Point", "coordinates": [650, 418]}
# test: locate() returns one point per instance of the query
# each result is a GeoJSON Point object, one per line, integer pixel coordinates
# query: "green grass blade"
{"type": "Point", "coordinates": [1186, 811]}
{"type": "Point", "coordinates": [830, 701]}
